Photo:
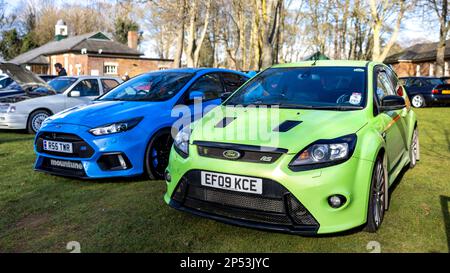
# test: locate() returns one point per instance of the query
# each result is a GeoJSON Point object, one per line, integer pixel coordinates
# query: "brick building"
{"type": "Point", "coordinates": [418, 60]}
{"type": "Point", "coordinates": [90, 54]}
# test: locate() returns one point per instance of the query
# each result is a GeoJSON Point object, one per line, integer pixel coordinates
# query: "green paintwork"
{"type": "Point", "coordinates": [351, 178]}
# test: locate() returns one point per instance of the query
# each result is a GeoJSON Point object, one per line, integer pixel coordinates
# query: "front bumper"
{"type": "Point", "coordinates": [310, 188]}
{"type": "Point", "coordinates": [90, 152]}
{"type": "Point", "coordinates": [13, 121]}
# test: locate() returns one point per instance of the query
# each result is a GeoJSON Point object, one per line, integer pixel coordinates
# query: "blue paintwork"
{"type": "Point", "coordinates": [157, 116]}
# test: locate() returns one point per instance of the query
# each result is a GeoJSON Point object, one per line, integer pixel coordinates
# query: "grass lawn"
{"type": "Point", "coordinates": [42, 213]}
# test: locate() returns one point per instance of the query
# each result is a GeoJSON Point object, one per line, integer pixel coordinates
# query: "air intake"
{"type": "Point", "coordinates": [286, 126]}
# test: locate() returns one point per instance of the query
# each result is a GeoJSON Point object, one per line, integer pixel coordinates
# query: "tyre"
{"type": "Point", "coordinates": [157, 155]}
{"type": "Point", "coordinates": [414, 150]}
{"type": "Point", "coordinates": [35, 120]}
{"type": "Point", "coordinates": [418, 101]}
{"type": "Point", "coordinates": [377, 198]}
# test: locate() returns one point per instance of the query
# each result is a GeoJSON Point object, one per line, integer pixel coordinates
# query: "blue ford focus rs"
{"type": "Point", "coordinates": [127, 132]}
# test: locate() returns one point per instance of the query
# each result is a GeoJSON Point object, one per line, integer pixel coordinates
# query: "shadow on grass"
{"type": "Point", "coordinates": [445, 201]}
{"type": "Point", "coordinates": [24, 136]}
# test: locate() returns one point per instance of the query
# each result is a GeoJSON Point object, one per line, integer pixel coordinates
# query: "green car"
{"type": "Point", "coordinates": [305, 148]}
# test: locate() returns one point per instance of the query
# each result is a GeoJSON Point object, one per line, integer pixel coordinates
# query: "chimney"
{"type": "Point", "coordinates": [61, 31]}
{"type": "Point", "coordinates": [133, 39]}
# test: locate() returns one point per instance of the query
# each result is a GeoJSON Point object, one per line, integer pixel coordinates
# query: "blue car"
{"type": "Point", "coordinates": [127, 132]}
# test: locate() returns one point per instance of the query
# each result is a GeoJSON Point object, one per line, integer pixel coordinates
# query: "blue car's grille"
{"type": "Point", "coordinates": [81, 149]}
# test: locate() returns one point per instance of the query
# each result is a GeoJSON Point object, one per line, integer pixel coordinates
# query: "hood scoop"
{"type": "Point", "coordinates": [287, 125]}
{"type": "Point", "coordinates": [225, 122]}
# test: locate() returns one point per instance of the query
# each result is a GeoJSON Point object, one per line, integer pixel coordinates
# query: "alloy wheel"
{"type": "Point", "coordinates": [417, 101]}
{"type": "Point", "coordinates": [379, 194]}
{"type": "Point", "coordinates": [37, 120]}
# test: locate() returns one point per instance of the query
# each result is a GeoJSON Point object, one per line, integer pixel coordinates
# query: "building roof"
{"type": "Point", "coordinates": [93, 42]}
{"type": "Point", "coordinates": [418, 53]}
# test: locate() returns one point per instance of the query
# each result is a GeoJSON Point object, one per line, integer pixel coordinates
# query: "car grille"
{"type": "Point", "coordinates": [48, 167]}
{"type": "Point", "coordinates": [81, 149]}
{"type": "Point", "coordinates": [276, 206]}
{"type": "Point", "coordinates": [246, 153]}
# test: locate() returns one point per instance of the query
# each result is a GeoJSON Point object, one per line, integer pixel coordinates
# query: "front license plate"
{"type": "Point", "coordinates": [232, 182]}
{"type": "Point", "coordinates": [56, 146]}
{"type": "Point", "coordinates": [445, 92]}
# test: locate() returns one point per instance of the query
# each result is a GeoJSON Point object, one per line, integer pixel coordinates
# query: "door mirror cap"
{"type": "Point", "coordinates": [392, 102]}
{"type": "Point", "coordinates": [195, 95]}
{"type": "Point", "coordinates": [75, 93]}
{"type": "Point", "coordinates": [225, 96]}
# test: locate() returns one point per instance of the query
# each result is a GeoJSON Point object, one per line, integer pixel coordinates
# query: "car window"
{"type": "Point", "coordinates": [414, 83]}
{"type": "Point", "coordinates": [210, 85]}
{"type": "Point", "coordinates": [384, 86]}
{"type": "Point", "coordinates": [109, 84]}
{"type": "Point", "coordinates": [87, 88]}
{"type": "Point", "coordinates": [6, 82]}
{"type": "Point", "coordinates": [61, 84]}
{"type": "Point", "coordinates": [233, 81]}
{"type": "Point", "coordinates": [155, 86]}
{"type": "Point", "coordinates": [305, 87]}
{"type": "Point", "coordinates": [434, 81]}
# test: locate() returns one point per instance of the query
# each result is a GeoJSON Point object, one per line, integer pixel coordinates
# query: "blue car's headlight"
{"type": "Point", "coordinates": [181, 142]}
{"type": "Point", "coordinates": [324, 153]}
{"type": "Point", "coordinates": [116, 127]}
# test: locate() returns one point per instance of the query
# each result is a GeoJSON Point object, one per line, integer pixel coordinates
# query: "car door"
{"type": "Point", "coordinates": [89, 89]}
{"type": "Point", "coordinates": [393, 123]}
{"type": "Point", "coordinates": [210, 85]}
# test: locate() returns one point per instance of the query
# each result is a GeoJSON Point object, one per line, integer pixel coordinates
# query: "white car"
{"type": "Point", "coordinates": [39, 100]}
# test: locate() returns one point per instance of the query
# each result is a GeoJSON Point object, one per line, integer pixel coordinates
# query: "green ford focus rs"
{"type": "Point", "coordinates": [306, 148]}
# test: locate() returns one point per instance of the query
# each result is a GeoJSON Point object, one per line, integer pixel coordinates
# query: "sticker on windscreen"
{"type": "Point", "coordinates": [355, 99]}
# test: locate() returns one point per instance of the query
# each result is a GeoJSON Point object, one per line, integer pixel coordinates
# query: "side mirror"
{"type": "Point", "coordinates": [75, 93]}
{"type": "Point", "coordinates": [195, 95]}
{"type": "Point", "coordinates": [392, 102]}
{"type": "Point", "coordinates": [225, 96]}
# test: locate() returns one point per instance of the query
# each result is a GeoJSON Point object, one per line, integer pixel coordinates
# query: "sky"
{"type": "Point", "coordinates": [413, 30]}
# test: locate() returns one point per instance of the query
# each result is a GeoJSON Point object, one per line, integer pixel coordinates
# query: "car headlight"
{"type": "Point", "coordinates": [181, 142]}
{"type": "Point", "coordinates": [7, 108]}
{"type": "Point", "coordinates": [117, 127]}
{"type": "Point", "coordinates": [324, 153]}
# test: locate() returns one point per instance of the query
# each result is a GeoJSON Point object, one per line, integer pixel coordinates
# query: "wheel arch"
{"type": "Point", "coordinates": [152, 137]}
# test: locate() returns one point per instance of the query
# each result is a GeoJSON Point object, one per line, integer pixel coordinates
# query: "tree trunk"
{"type": "Point", "coordinates": [443, 32]}
{"type": "Point", "coordinates": [180, 36]}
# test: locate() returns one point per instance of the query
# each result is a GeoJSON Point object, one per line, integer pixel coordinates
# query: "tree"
{"type": "Point", "coordinates": [441, 8]}
{"type": "Point", "coordinates": [11, 44]}
{"type": "Point", "coordinates": [268, 20]}
{"type": "Point", "coordinates": [197, 32]}
{"type": "Point", "coordinates": [121, 28]}
{"type": "Point", "coordinates": [381, 12]}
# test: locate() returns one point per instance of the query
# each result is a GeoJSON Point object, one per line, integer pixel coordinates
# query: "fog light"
{"type": "Point", "coordinates": [336, 201]}
{"type": "Point", "coordinates": [168, 176]}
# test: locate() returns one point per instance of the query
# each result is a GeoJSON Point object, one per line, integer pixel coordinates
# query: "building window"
{"type": "Point", "coordinates": [110, 68]}
{"type": "Point", "coordinates": [431, 70]}
{"type": "Point", "coordinates": [418, 70]}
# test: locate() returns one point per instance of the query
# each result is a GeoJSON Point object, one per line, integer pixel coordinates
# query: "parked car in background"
{"type": "Point", "coordinates": [423, 91]}
{"type": "Point", "coordinates": [5, 81]}
{"type": "Point", "coordinates": [37, 100]}
{"type": "Point", "coordinates": [48, 78]}
{"type": "Point", "coordinates": [127, 132]}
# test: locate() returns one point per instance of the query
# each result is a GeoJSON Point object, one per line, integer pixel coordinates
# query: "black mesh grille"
{"type": "Point", "coordinates": [48, 167]}
{"type": "Point", "coordinates": [276, 206]}
{"type": "Point", "coordinates": [81, 149]}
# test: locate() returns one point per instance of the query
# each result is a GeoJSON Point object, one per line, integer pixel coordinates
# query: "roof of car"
{"type": "Point", "coordinates": [196, 70]}
{"type": "Point", "coordinates": [420, 77]}
{"type": "Point", "coordinates": [324, 63]}
{"type": "Point", "coordinates": [88, 77]}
